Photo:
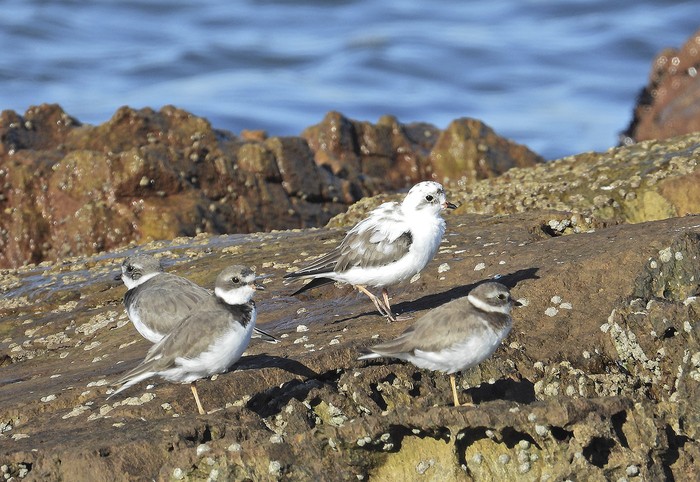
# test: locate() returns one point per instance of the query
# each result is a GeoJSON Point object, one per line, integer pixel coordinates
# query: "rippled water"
{"type": "Point", "coordinates": [559, 76]}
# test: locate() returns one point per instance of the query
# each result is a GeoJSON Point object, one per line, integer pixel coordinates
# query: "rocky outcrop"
{"type": "Point", "coordinates": [391, 154]}
{"type": "Point", "coordinates": [68, 189]}
{"type": "Point", "coordinates": [670, 103]}
{"type": "Point", "coordinates": [643, 182]}
{"type": "Point", "coordinates": [598, 379]}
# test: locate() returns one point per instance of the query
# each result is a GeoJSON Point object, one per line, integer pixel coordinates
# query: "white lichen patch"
{"type": "Point", "coordinates": [124, 345]}
{"type": "Point", "coordinates": [92, 346]}
{"type": "Point", "coordinates": [70, 306]}
{"type": "Point", "coordinates": [76, 411]}
{"type": "Point", "coordinates": [98, 383]}
{"type": "Point", "coordinates": [96, 323]}
{"type": "Point", "coordinates": [14, 303]}
{"type": "Point", "coordinates": [480, 267]}
{"type": "Point", "coordinates": [551, 311]}
{"type": "Point", "coordinates": [104, 410]}
{"type": "Point", "coordinates": [302, 328]}
{"type": "Point", "coordinates": [415, 278]}
{"type": "Point", "coordinates": [274, 468]}
{"type": "Point", "coordinates": [48, 398]}
{"type": "Point", "coordinates": [444, 267]}
{"type": "Point", "coordinates": [695, 370]}
{"type": "Point", "coordinates": [122, 321]}
{"type": "Point", "coordinates": [630, 351]}
{"type": "Point", "coordinates": [303, 339]}
{"type": "Point", "coordinates": [135, 401]}
{"type": "Point", "coordinates": [665, 255]}
{"type": "Point", "coordinates": [424, 465]}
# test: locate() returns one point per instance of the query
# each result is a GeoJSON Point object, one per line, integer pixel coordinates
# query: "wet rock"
{"type": "Point", "coordinates": [605, 387]}
{"type": "Point", "coordinates": [670, 103]}
{"type": "Point", "coordinates": [68, 189]}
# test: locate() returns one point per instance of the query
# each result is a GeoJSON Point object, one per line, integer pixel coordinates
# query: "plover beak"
{"type": "Point", "coordinates": [516, 302]}
{"type": "Point", "coordinates": [118, 277]}
{"type": "Point", "coordinates": [257, 286]}
{"type": "Point", "coordinates": [448, 205]}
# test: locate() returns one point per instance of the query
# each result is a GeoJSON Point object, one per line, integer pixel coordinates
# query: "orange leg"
{"type": "Point", "coordinates": [196, 398]}
{"type": "Point", "coordinates": [383, 310]}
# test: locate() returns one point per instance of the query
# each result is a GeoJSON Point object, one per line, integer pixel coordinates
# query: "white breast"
{"type": "Point", "coordinates": [426, 237]}
{"type": "Point", "coordinates": [462, 355]}
{"type": "Point", "coordinates": [220, 355]}
{"type": "Point", "coordinates": [145, 331]}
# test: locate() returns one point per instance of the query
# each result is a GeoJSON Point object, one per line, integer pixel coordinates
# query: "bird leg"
{"type": "Point", "coordinates": [385, 294]}
{"type": "Point", "coordinates": [397, 317]}
{"type": "Point", "coordinates": [454, 393]}
{"type": "Point", "coordinates": [383, 310]}
{"type": "Point", "coordinates": [196, 398]}
{"type": "Point", "coordinates": [454, 390]}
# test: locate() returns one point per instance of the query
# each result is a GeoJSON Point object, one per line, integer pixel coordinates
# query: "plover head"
{"type": "Point", "coordinates": [236, 285]}
{"type": "Point", "coordinates": [491, 297]}
{"type": "Point", "coordinates": [427, 195]}
{"type": "Point", "coordinates": [138, 269]}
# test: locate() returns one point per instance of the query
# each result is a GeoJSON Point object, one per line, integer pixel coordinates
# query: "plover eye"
{"type": "Point", "coordinates": [429, 198]}
{"type": "Point", "coordinates": [235, 280]}
{"type": "Point", "coordinates": [129, 268]}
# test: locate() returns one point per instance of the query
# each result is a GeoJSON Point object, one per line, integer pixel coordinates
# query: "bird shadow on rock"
{"type": "Point", "coordinates": [433, 301]}
{"type": "Point", "coordinates": [405, 308]}
{"type": "Point", "coordinates": [269, 402]}
{"type": "Point", "coordinates": [256, 362]}
{"type": "Point", "coordinates": [519, 391]}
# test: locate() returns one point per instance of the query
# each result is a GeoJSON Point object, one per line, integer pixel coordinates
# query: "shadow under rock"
{"type": "Point", "coordinates": [519, 391]}
{"type": "Point", "coordinates": [433, 301]}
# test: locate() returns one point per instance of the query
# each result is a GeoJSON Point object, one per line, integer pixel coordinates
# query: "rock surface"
{"type": "Point", "coordinates": [68, 189]}
{"type": "Point", "coordinates": [670, 103]}
{"type": "Point", "coordinates": [647, 181]}
{"type": "Point", "coordinates": [597, 381]}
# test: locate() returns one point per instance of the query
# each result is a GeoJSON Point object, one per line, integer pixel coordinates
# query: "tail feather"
{"type": "Point", "coordinates": [264, 336]}
{"type": "Point", "coordinates": [368, 355]}
{"type": "Point", "coordinates": [132, 377]}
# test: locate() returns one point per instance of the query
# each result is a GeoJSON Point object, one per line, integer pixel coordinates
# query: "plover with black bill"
{"type": "Point", "coordinates": [392, 244]}
{"type": "Point", "coordinates": [206, 342]}
{"type": "Point", "coordinates": [156, 301]}
{"type": "Point", "coordinates": [455, 336]}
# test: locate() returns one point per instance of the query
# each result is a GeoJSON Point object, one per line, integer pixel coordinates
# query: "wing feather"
{"type": "Point", "coordinates": [437, 330]}
{"type": "Point", "coordinates": [381, 238]}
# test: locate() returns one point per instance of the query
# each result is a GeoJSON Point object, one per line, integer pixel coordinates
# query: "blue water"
{"type": "Point", "coordinates": [558, 76]}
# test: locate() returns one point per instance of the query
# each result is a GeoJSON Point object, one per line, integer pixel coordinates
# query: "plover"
{"type": "Point", "coordinates": [207, 341]}
{"type": "Point", "coordinates": [393, 243]}
{"type": "Point", "coordinates": [156, 301]}
{"type": "Point", "coordinates": [455, 336]}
